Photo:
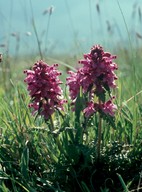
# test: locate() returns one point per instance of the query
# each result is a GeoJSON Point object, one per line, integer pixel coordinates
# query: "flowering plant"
{"type": "Point", "coordinates": [96, 77]}
{"type": "Point", "coordinates": [82, 152]}
{"type": "Point", "coordinates": [43, 85]}
{"type": "Point", "coordinates": [88, 88]}
{"type": "Point", "coordinates": [90, 95]}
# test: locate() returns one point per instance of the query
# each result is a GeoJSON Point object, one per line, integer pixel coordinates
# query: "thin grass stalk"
{"type": "Point", "coordinates": [3, 66]}
{"type": "Point", "coordinates": [51, 123]}
{"type": "Point", "coordinates": [35, 30]}
{"type": "Point", "coordinates": [77, 44]}
{"type": "Point", "coordinates": [17, 46]}
{"type": "Point", "coordinates": [123, 183]}
{"type": "Point", "coordinates": [10, 21]}
{"type": "Point", "coordinates": [7, 68]}
{"type": "Point", "coordinates": [100, 19]}
{"type": "Point", "coordinates": [134, 71]}
{"type": "Point", "coordinates": [99, 134]}
{"type": "Point", "coordinates": [130, 42]}
{"type": "Point", "coordinates": [56, 137]}
{"type": "Point", "coordinates": [91, 21]}
{"type": "Point", "coordinates": [47, 32]}
{"type": "Point", "coordinates": [138, 188]}
{"type": "Point", "coordinates": [69, 14]}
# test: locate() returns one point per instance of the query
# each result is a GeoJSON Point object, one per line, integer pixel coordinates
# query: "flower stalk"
{"type": "Point", "coordinates": [99, 135]}
{"type": "Point", "coordinates": [51, 123]}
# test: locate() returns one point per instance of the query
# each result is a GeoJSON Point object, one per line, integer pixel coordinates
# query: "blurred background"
{"type": "Point", "coordinates": [67, 26]}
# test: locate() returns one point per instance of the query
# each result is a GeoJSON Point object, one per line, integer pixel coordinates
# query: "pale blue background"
{"type": "Point", "coordinates": [74, 25]}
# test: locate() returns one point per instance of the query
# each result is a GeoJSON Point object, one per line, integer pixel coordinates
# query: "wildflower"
{"type": "Point", "coordinates": [90, 109]}
{"type": "Point", "coordinates": [108, 107]}
{"type": "Point", "coordinates": [98, 70]}
{"type": "Point", "coordinates": [96, 77]}
{"type": "Point", "coordinates": [44, 88]}
{"type": "Point", "coordinates": [73, 84]}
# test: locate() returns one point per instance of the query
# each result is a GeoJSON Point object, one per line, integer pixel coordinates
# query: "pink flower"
{"type": "Point", "coordinates": [90, 109]}
{"type": "Point", "coordinates": [96, 74]}
{"type": "Point", "coordinates": [73, 83]}
{"type": "Point", "coordinates": [43, 86]}
{"type": "Point", "coordinates": [98, 67]}
{"type": "Point", "coordinates": [108, 107]}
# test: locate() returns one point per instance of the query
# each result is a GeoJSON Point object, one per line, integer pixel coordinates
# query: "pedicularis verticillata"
{"type": "Point", "coordinates": [93, 82]}
{"type": "Point", "coordinates": [95, 78]}
{"type": "Point", "coordinates": [44, 88]}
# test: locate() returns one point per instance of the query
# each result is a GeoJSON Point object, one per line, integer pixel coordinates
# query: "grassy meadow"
{"type": "Point", "coordinates": [69, 152]}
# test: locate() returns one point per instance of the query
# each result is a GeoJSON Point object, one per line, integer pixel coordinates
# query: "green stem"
{"type": "Point", "coordinates": [47, 31]}
{"type": "Point", "coordinates": [99, 133]}
{"type": "Point", "coordinates": [99, 136]}
{"type": "Point", "coordinates": [52, 124]}
{"type": "Point", "coordinates": [36, 33]}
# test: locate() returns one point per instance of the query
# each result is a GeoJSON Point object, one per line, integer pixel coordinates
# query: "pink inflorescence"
{"type": "Point", "coordinates": [44, 88]}
{"type": "Point", "coordinates": [95, 77]}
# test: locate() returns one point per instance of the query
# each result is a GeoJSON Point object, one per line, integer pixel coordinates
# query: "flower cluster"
{"type": "Point", "coordinates": [44, 88]}
{"type": "Point", "coordinates": [96, 77]}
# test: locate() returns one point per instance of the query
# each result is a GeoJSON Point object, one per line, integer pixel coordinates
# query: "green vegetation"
{"type": "Point", "coordinates": [34, 158]}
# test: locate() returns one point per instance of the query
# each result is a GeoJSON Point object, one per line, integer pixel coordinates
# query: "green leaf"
{"type": "Point", "coordinates": [25, 161]}
{"type": "Point", "coordinates": [109, 119]}
{"type": "Point", "coordinates": [3, 188]}
{"type": "Point", "coordinates": [84, 186]}
{"type": "Point", "coordinates": [122, 182]}
{"type": "Point", "coordinates": [101, 96]}
{"type": "Point", "coordinates": [78, 107]}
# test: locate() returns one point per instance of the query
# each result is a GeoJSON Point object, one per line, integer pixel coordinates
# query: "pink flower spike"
{"type": "Point", "coordinates": [96, 77]}
{"type": "Point", "coordinates": [43, 86]}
